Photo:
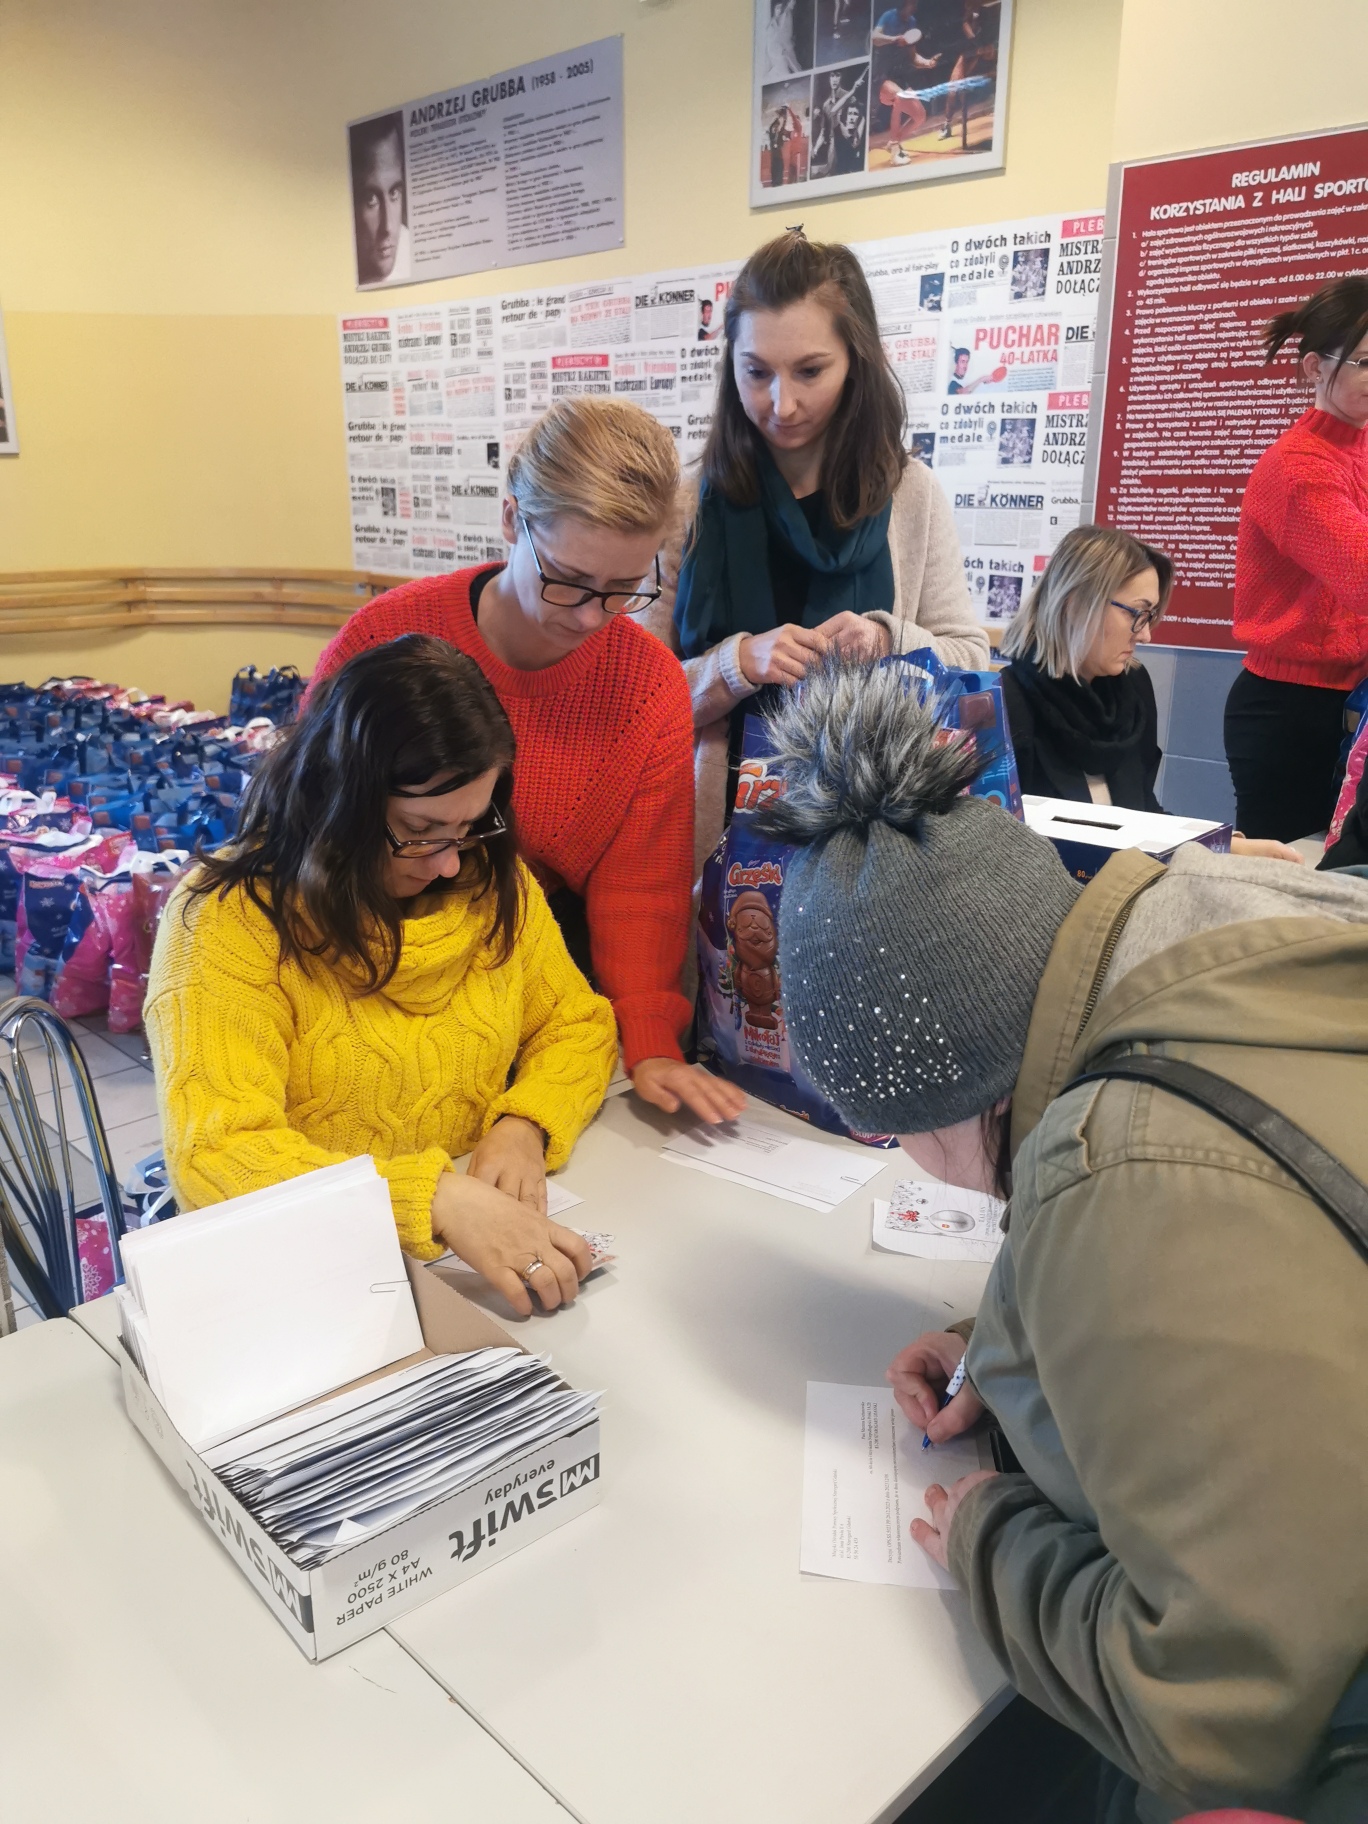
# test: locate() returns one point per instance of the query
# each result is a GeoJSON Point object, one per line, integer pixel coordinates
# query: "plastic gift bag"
{"type": "Point", "coordinates": [46, 905]}
{"type": "Point", "coordinates": [82, 987]}
{"type": "Point", "coordinates": [147, 1192]}
{"type": "Point", "coordinates": [134, 920]}
{"type": "Point", "coordinates": [1348, 792]}
{"type": "Point", "coordinates": [53, 913]}
{"type": "Point", "coordinates": [11, 882]}
{"type": "Point", "coordinates": [275, 693]}
{"type": "Point", "coordinates": [98, 1271]}
{"type": "Point", "coordinates": [742, 1031]}
{"type": "Point", "coordinates": [1355, 704]}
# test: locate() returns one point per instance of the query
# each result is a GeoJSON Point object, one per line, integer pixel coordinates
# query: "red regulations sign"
{"type": "Point", "coordinates": [1207, 249]}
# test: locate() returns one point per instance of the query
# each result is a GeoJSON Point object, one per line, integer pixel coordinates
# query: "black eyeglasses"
{"type": "Point", "coordinates": [1141, 619]}
{"type": "Point", "coordinates": [491, 825]}
{"type": "Point", "coordinates": [575, 595]}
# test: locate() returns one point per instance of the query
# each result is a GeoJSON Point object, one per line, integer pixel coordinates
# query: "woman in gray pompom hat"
{"type": "Point", "coordinates": [915, 922]}
{"type": "Point", "coordinates": [1172, 1340]}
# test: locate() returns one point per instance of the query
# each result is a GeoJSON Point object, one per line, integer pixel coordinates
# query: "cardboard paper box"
{"type": "Point", "coordinates": [1088, 835]}
{"type": "Point", "coordinates": [371, 1584]}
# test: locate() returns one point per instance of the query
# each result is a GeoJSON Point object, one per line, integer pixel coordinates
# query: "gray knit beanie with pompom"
{"type": "Point", "coordinates": [915, 923]}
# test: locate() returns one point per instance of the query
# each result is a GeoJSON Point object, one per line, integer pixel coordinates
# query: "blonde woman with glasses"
{"type": "Point", "coordinates": [1081, 705]}
{"type": "Point", "coordinates": [603, 788]}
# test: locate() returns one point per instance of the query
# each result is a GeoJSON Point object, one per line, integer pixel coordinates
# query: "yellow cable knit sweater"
{"type": "Point", "coordinates": [266, 1070]}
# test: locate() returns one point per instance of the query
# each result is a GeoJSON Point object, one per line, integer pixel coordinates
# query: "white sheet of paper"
{"type": "Point", "coordinates": [751, 1184]}
{"type": "Point", "coordinates": [803, 1171]}
{"type": "Point", "coordinates": [262, 1302]}
{"type": "Point", "coordinates": [559, 1199]}
{"type": "Point", "coordinates": [865, 1477]}
{"type": "Point", "coordinates": [938, 1222]}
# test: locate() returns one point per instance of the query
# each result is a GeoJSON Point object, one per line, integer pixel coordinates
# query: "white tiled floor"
{"type": "Point", "coordinates": [122, 1075]}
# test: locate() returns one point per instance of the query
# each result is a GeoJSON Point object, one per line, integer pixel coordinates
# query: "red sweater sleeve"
{"type": "Point", "coordinates": [639, 896]}
{"type": "Point", "coordinates": [1307, 506]}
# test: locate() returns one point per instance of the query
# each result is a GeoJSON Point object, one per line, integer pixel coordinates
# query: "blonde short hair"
{"type": "Point", "coordinates": [602, 461]}
{"type": "Point", "coordinates": [1064, 611]}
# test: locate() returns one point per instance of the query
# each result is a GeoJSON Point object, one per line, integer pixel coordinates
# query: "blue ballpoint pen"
{"type": "Point", "coordinates": [953, 1386]}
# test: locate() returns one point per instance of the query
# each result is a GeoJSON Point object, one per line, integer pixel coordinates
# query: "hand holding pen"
{"type": "Point", "coordinates": [952, 1387]}
{"type": "Point", "coordinates": [928, 1384]}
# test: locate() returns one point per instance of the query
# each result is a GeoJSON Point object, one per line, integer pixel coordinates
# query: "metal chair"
{"type": "Point", "coordinates": [41, 1188]}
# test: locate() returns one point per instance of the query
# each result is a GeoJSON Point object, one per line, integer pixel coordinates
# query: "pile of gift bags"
{"type": "Point", "coordinates": [105, 795]}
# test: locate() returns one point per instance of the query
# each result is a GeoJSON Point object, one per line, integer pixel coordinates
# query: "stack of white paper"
{"type": "Point", "coordinates": [939, 1222]}
{"type": "Point", "coordinates": [817, 1174]}
{"type": "Point", "coordinates": [242, 1310]}
{"type": "Point", "coordinates": [322, 1479]}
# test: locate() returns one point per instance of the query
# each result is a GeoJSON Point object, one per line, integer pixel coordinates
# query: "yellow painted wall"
{"type": "Point", "coordinates": [1196, 73]}
{"type": "Point", "coordinates": [175, 231]}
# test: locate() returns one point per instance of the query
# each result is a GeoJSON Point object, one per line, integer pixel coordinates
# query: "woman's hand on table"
{"type": "Point", "coordinates": [784, 655]}
{"type": "Point", "coordinates": [1265, 846]}
{"type": "Point", "coordinates": [500, 1237]}
{"type": "Point", "coordinates": [670, 1084]}
{"type": "Point", "coordinates": [512, 1157]}
{"type": "Point", "coordinates": [856, 636]}
{"type": "Point", "coordinates": [943, 1504]}
{"type": "Point", "coordinates": [919, 1376]}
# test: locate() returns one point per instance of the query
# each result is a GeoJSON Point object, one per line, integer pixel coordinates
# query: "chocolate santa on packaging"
{"type": "Point", "coordinates": [742, 1033]}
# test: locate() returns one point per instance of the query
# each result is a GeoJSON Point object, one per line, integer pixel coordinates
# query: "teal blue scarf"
{"type": "Point", "coordinates": [724, 581]}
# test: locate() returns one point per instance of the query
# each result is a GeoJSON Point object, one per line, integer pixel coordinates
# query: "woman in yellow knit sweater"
{"type": "Point", "coordinates": [368, 968]}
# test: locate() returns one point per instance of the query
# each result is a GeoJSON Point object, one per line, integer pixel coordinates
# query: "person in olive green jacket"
{"type": "Point", "coordinates": [1174, 1337]}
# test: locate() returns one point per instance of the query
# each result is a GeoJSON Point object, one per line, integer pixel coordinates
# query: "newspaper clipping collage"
{"type": "Point", "coordinates": [991, 332]}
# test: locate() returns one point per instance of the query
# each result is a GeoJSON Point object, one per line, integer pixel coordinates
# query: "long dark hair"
{"type": "Point", "coordinates": [863, 459]}
{"type": "Point", "coordinates": [1332, 321]}
{"type": "Point", "coordinates": [310, 848]}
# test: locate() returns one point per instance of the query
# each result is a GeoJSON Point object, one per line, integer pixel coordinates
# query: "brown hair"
{"type": "Point", "coordinates": [1332, 321]}
{"type": "Point", "coordinates": [1061, 617]}
{"type": "Point", "coordinates": [603, 461]}
{"type": "Point", "coordinates": [863, 459]}
{"type": "Point", "coordinates": [310, 849]}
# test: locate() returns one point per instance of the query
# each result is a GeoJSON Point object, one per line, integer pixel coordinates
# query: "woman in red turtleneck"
{"type": "Point", "coordinates": [603, 777]}
{"type": "Point", "coordinates": [1301, 578]}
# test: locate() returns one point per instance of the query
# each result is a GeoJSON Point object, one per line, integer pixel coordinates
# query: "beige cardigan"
{"type": "Point", "coordinates": [931, 607]}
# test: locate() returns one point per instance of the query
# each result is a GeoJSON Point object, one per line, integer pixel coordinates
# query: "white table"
{"type": "Point", "coordinates": [662, 1657]}
{"type": "Point", "coordinates": [142, 1680]}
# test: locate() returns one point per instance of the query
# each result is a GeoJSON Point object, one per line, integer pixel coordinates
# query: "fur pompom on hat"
{"type": "Point", "coordinates": [915, 922]}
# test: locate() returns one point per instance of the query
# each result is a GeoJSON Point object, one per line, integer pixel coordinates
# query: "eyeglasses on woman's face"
{"type": "Point", "coordinates": [1141, 619]}
{"type": "Point", "coordinates": [418, 848]}
{"type": "Point", "coordinates": [561, 594]}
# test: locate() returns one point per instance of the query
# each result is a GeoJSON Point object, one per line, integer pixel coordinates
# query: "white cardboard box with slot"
{"type": "Point", "coordinates": [1088, 835]}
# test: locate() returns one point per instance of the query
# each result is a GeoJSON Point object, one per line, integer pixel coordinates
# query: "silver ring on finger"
{"type": "Point", "coordinates": [532, 1267]}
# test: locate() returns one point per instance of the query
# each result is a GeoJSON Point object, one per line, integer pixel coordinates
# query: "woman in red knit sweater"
{"type": "Point", "coordinates": [1301, 578]}
{"type": "Point", "coordinates": [603, 781]}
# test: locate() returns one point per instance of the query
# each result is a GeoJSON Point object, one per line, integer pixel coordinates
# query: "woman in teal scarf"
{"type": "Point", "coordinates": [811, 527]}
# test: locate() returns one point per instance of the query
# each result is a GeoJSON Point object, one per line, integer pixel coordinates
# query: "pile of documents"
{"type": "Point", "coordinates": [818, 1174]}
{"type": "Point", "coordinates": [322, 1479]}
